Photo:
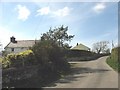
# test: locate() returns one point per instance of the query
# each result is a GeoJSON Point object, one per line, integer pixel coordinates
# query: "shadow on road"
{"type": "Point", "coordinates": [88, 70]}
{"type": "Point", "coordinates": [66, 79]}
{"type": "Point", "coordinates": [77, 73]}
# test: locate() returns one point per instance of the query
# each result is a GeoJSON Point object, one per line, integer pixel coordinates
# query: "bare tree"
{"type": "Point", "coordinates": [101, 47]}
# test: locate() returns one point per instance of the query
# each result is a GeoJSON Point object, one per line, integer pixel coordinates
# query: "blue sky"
{"type": "Point", "coordinates": [90, 22]}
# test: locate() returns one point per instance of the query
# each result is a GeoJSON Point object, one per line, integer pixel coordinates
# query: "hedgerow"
{"type": "Point", "coordinates": [18, 60]}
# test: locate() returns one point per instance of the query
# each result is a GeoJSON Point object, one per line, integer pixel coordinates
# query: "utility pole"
{"type": "Point", "coordinates": [1, 48]}
{"type": "Point", "coordinates": [112, 44]}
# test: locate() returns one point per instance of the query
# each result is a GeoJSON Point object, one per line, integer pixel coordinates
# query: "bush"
{"type": "Point", "coordinates": [1, 60]}
{"type": "Point", "coordinates": [5, 63]}
{"type": "Point", "coordinates": [49, 52]}
{"type": "Point", "coordinates": [18, 60]}
{"type": "Point", "coordinates": [23, 77]}
{"type": "Point", "coordinates": [79, 53]}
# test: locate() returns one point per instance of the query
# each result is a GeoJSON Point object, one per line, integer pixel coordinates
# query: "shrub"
{"type": "Point", "coordinates": [1, 60]}
{"type": "Point", "coordinates": [5, 63]}
{"type": "Point", "coordinates": [48, 52]}
{"type": "Point", "coordinates": [18, 60]}
{"type": "Point", "coordinates": [79, 53]}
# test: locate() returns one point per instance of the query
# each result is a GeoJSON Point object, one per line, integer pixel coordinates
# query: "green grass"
{"type": "Point", "coordinates": [0, 60]}
{"type": "Point", "coordinates": [113, 63]}
{"type": "Point", "coordinates": [113, 59]}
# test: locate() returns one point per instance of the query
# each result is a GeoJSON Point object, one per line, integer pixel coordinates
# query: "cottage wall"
{"type": "Point", "coordinates": [16, 49]}
{"type": "Point", "coordinates": [16, 46]}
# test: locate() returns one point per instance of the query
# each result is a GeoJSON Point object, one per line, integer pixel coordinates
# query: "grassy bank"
{"type": "Point", "coordinates": [0, 60]}
{"type": "Point", "coordinates": [113, 59]}
{"type": "Point", "coordinates": [112, 63]}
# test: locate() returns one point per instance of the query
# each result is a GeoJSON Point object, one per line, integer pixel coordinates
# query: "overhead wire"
{"type": "Point", "coordinates": [38, 25]}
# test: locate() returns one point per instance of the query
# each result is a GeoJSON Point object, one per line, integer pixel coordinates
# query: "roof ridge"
{"type": "Point", "coordinates": [22, 43]}
{"type": "Point", "coordinates": [81, 47]}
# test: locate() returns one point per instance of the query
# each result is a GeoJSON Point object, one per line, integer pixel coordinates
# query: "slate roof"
{"type": "Point", "coordinates": [81, 47]}
{"type": "Point", "coordinates": [22, 43]}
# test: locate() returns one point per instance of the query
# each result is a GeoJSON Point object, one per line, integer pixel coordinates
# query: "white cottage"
{"type": "Point", "coordinates": [16, 46]}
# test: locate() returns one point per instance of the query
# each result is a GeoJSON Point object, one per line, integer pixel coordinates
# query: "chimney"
{"type": "Point", "coordinates": [77, 44]}
{"type": "Point", "coordinates": [12, 39]}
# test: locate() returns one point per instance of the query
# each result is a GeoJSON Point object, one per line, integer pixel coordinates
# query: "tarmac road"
{"type": "Point", "coordinates": [89, 74]}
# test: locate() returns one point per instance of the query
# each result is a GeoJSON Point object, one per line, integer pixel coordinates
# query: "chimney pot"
{"type": "Point", "coordinates": [12, 39]}
{"type": "Point", "coordinates": [77, 44]}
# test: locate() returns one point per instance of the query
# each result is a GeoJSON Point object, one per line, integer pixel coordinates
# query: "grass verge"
{"type": "Point", "coordinates": [113, 63]}
{"type": "Point", "coordinates": [0, 60]}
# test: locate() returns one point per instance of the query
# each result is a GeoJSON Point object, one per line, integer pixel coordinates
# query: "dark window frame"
{"type": "Point", "coordinates": [12, 49]}
{"type": "Point", "coordinates": [22, 47]}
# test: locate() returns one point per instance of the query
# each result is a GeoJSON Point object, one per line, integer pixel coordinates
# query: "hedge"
{"type": "Point", "coordinates": [19, 59]}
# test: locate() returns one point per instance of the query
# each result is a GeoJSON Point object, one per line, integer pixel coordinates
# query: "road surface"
{"type": "Point", "coordinates": [89, 74]}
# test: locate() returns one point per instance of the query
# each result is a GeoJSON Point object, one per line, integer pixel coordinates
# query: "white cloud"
{"type": "Point", "coordinates": [4, 36]}
{"type": "Point", "coordinates": [23, 12]}
{"type": "Point", "coordinates": [62, 12]}
{"type": "Point", "coordinates": [43, 11]}
{"type": "Point", "coordinates": [99, 7]}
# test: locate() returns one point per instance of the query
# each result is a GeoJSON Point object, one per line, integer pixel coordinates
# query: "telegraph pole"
{"type": "Point", "coordinates": [1, 48]}
{"type": "Point", "coordinates": [112, 44]}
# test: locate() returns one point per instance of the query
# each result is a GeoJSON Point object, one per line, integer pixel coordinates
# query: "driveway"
{"type": "Point", "coordinates": [89, 74]}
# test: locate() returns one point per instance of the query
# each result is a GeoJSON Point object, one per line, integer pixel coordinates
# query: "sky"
{"type": "Point", "coordinates": [90, 22]}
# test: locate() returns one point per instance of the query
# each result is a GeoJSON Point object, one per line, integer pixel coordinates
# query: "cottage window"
{"type": "Point", "coordinates": [12, 49]}
{"type": "Point", "coordinates": [22, 47]}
